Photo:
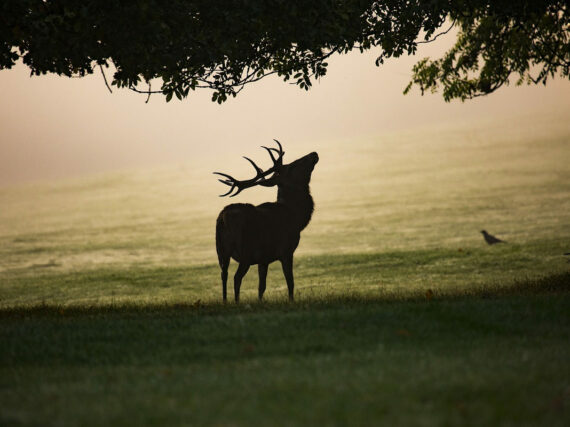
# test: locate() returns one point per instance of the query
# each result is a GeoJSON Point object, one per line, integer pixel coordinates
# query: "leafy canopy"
{"type": "Point", "coordinates": [225, 44]}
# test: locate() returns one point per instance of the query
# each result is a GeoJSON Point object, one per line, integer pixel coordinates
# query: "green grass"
{"type": "Point", "coordinates": [317, 276]}
{"type": "Point", "coordinates": [110, 294]}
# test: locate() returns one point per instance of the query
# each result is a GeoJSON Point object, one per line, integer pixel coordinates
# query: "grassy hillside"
{"type": "Point", "coordinates": [110, 308]}
{"type": "Point", "coordinates": [412, 203]}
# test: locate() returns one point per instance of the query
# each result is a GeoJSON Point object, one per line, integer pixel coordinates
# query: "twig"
{"type": "Point", "coordinates": [149, 92]}
{"type": "Point", "coordinates": [105, 78]}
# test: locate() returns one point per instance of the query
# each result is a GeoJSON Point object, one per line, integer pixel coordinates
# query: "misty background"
{"type": "Point", "coordinates": [54, 127]}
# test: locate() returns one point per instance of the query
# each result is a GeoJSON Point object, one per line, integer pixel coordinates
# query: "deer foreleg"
{"type": "Point", "coordinates": [225, 284]}
{"type": "Point", "coordinates": [241, 271]}
{"type": "Point", "coordinates": [287, 265]}
{"type": "Point", "coordinates": [262, 270]}
{"type": "Point", "coordinates": [224, 264]}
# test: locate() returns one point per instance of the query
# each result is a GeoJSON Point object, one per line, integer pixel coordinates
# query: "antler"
{"type": "Point", "coordinates": [280, 152]}
{"type": "Point", "coordinates": [259, 178]}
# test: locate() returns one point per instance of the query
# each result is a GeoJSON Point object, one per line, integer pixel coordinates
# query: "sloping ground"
{"type": "Point", "coordinates": [407, 207]}
{"type": "Point", "coordinates": [432, 189]}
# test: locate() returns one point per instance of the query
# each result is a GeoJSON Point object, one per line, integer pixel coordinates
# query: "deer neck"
{"type": "Point", "coordinates": [299, 201]}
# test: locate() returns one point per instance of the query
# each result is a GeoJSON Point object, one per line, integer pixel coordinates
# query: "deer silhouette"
{"type": "Point", "coordinates": [268, 232]}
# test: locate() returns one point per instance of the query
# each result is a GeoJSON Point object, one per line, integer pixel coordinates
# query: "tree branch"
{"type": "Point", "coordinates": [438, 35]}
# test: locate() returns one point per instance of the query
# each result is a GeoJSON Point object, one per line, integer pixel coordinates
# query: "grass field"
{"type": "Point", "coordinates": [110, 306]}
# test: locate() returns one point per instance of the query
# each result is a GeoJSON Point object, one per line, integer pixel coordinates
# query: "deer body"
{"type": "Point", "coordinates": [270, 231]}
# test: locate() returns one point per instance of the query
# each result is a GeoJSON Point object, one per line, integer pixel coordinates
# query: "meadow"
{"type": "Point", "coordinates": [110, 298]}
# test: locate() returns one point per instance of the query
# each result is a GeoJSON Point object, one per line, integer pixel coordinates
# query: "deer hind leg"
{"type": "Point", "coordinates": [287, 265]}
{"type": "Point", "coordinates": [241, 271]}
{"type": "Point", "coordinates": [262, 270]}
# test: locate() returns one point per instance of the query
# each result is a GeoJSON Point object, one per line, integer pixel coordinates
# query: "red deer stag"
{"type": "Point", "coordinates": [268, 232]}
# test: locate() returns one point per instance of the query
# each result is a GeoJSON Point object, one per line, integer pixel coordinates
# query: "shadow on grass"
{"type": "Point", "coordinates": [526, 315]}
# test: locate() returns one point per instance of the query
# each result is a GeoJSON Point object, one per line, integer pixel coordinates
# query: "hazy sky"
{"type": "Point", "coordinates": [55, 127]}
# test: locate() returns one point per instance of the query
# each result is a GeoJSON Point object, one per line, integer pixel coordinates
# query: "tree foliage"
{"type": "Point", "coordinates": [225, 44]}
{"type": "Point", "coordinates": [496, 40]}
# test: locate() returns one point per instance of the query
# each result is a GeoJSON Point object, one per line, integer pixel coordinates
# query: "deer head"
{"type": "Point", "coordinates": [294, 175]}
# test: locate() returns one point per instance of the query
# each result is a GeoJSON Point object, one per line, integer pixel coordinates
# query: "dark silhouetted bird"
{"type": "Point", "coordinates": [490, 239]}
